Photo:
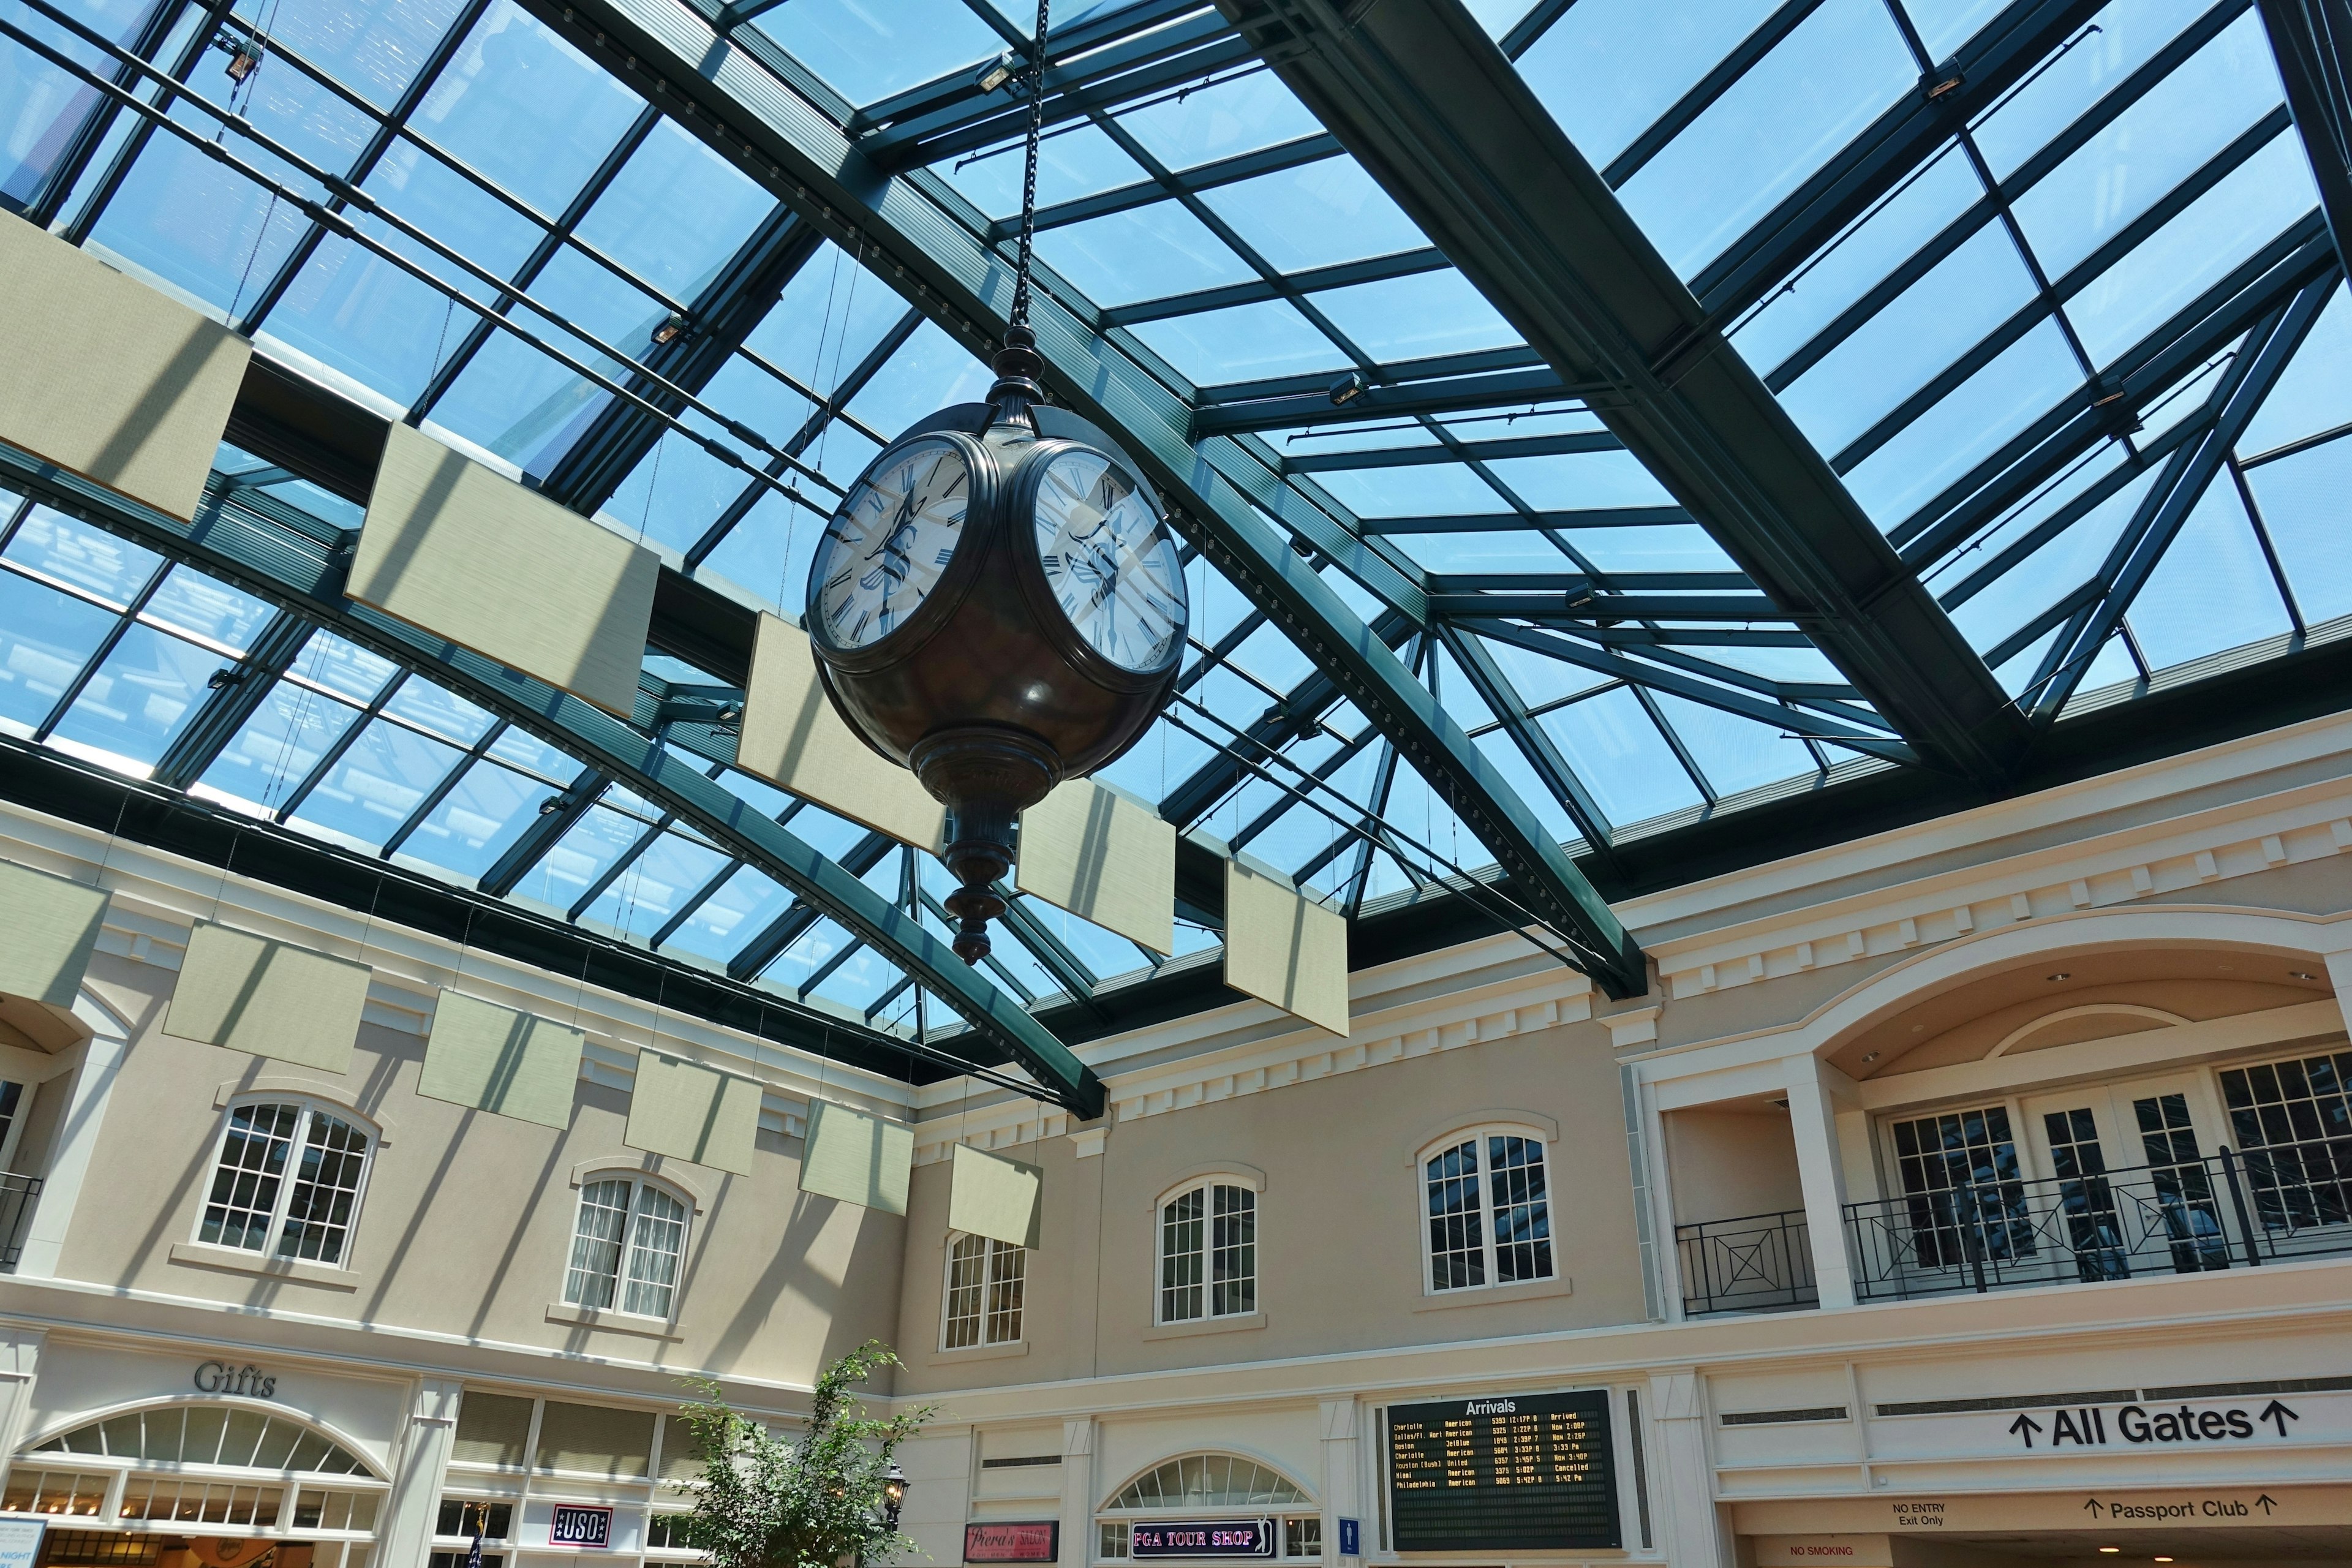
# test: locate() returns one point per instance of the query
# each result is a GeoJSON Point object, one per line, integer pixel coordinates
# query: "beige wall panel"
{"type": "Point", "coordinates": [1341, 1225]}
{"type": "Point", "coordinates": [465, 1231]}
{"type": "Point", "coordinates": [472, 556]}
{"type": "Point", "coordinates": [269, 998]}
{"type": "Point", "coordinates": [48, 928]}
{"type": "Point", "coordinates": [795, 738]}
{"type": "Point", "coordinates": [1105, 857]}
{"type": "Point", "coordinates": [494, 1058]}
{"type": "Point", "coordinates": [1285, 948]}
{"type": "Point", "coordinates": [1729, 1161]}
{"type": "Point", "coordinates": [858, 1158]}
{"type": "Point", "coordinates": [689, 1111]}
{"type": "Point", "coordinates": [105, 376]}
{"type": "Point", "coordinates": [995, 1197]}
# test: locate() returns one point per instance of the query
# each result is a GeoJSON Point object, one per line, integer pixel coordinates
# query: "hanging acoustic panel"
{"type": "Point", "coordinates": [252, 993]}
{"type": "Point", "coordinates": [48, 928]}
{"type": "Point", "coordinates": [496, 1059]}
{"type": "Point", "coordinates": [106, 377]}
{"type": "Point", "coordinates": [1285, 948]}
{"type": "Point", "coordinates": [858, 1158]}
{"type": "Point", "coordinates": [794, 740]}
{"type": "Point", "coordinates": [693, 1112]}
{"type": "Point", "coordinates": [1105, 857]}
{"type": "Point", "coordinates": [995, 1197]}
{"type": "Point", "coordinates": [470, 555]}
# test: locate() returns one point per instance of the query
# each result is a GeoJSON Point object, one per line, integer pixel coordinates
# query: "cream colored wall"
{"type": "Point", "coordinates": [1339, 1223]}
{"type": "Point", "coordinates": [466, 1225]}
{"type": "Point", "coordinates": [1729, 1161]}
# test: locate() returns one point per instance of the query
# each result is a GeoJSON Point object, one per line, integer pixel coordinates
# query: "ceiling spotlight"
{"type": "Point", "coordinates": [1349, 388]}
{"type": "Point", "coordinates": [2109, 1551]}
{"type": "Point", "coordinates": [669, 331]}
{"type": "Point", "coordinates": [997, 72]}
{"type": "Point", "coordinates": [2064, 974]}
{"type": "Point", "coordinates": [2301, 974]}
{"type": "Point", "coordinates": [1949, 82]}
{"type": "Point", "coordinates": [2164, 1560]}
{"type": "Point", "coordinates": [1870, 1055]}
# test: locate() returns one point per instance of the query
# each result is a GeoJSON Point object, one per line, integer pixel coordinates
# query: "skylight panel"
{"type": "Point", "coordinates": [866, 52]}
{"type": "Point", "coordinates": [2302, 502]}
{"type": "Point", "coordinates": [655, 886]}
{"type": "Point", "coordinates": [675, 213]}
{"type": "Point", "coordinates": [931, 371]}
{"type": "Point", "coordinates": [2103, 55]}
{"type": "Point", "coordinates": [373, 786]}
{"type": "Point", "coordinates": [2151, 147]}
{"type": "Point", "coordinates": [1733, 753]}
{"type": "Point", "coordinates": [526, 108]}
{"type": "Point", "coordinates": [2051, 573]}
{"type": "Point", "coordinates": [829, 317]}
{"type": "Point", "coordinates": [46, 638]}
{"type": "Point", "coordinates": [1793, 110]}
{"type": "Point", "coordinates": [278, 746]}
{"type": "Point", "coordinates": [1572, 481]}
{"type": "Point", "coordinates": [1518, 551]}
{"type": "Point", "coordinates": [1859, 260]}
{"type": "Point", "coordinates": [578, 861]}
{"type": "Point", "coordinates": [1610, 741]}
{"type": "Point", "coordinates": [1675, 547]}
{"type": "Point", "coordinates": [2315, 391]}
{"type": "Point", "coordinates": [2212, 590]}
{"type": "Point", "coordinates": [1238, 113]}
{"type": "Point", "coordinates": [1143, 253]}
{"type": "Point", "coordinates": [48, 102]}
{"type": "Point", "coordinates": [1965, 425]}
{"type": "Point", "coordinates": [475, 823]}
{"type": "Point", "coordinates": [136, 701]}
{"type": "Point", "coordinates": [1245, 342]}
{"type": "Point", "coordinates": [1428, 489]}
{"type": "Point", "coordinates": [343, 667]}
{"type": "Point", "coordinates": [792, 969]}
{"type": "Point", "coordinates": [1608, 69]}
{"type": "Point", "coordinates": [2261, 199]}
{"type": "Point", "coordinates": [1074, 160]}
{"type": "Point", "coordinates": [1315, 214]}
{"type": "Point", "coordinates": [740, 909]}
{"type": "Point", "coordinates": [1928, 327]}
{"type": "Point", "coordinates": [445, 713]}
{"type": "Point", "coordinates": [1416, 317]}
{"type": "Point", "coordinates": [99, 565]}
{"type": "Point", "coordinates": [1535, 680]}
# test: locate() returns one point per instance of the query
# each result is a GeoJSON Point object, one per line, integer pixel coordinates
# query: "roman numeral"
{"type": "Point", "coordinates": [947, 554]}
{"type": "Point", "coordinates": [1053, 565]}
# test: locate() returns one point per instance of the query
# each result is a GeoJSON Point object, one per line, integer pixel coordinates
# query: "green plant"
{"type": "Point", "coordinates": [816, 1502]}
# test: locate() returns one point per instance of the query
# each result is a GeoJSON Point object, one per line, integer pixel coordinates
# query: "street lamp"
{"type": "Point", "coordinates": [895, 1487]}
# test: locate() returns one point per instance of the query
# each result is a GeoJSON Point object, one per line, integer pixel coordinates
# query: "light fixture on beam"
{"type": "Point", "coordinates": [1349, 388]}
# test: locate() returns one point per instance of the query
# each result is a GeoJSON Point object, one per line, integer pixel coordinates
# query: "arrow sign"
{"type": "Point", "coordinates": [2278, 1416]}
{"type": "Point", "coordinates": [2026, 1427]}
{"type": "Point", "coordinates": [2266, 1502]}
{"type": "Point", "coordinates": [2091, 1505]}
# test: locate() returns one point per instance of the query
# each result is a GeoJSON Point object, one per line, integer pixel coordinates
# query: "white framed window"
{"type": "Point", "coordinates": [1488, 1207]}
{"type": "Point", "coordinates": [288, 1179]}
{"type": "Point", "coordinates": [626, 1247]}
{"type": "Point", "coordinates": [986, 1282]}
{"type": "Point", "coordinates": [1208, 1252]}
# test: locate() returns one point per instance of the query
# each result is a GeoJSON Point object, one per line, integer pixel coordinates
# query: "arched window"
{"type": "Point", "coordinates": [1208, 1252]}
{"type": "Point", "coordinates": [1490, 1208]}
{"type": "Point", "coordinates": [626, 1247]}
{"type": "Point", "coordinates": [1208, 1485]}
{"type": "Point", "coordinates": [986, 1282]}
{"type": "Point", "coordinates": [288, 1179]}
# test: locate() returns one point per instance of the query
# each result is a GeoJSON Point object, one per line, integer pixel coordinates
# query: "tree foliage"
{"type": "Point", "coordinates": [763, 1501]}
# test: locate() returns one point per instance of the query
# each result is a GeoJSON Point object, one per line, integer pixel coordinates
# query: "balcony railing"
{"type": "Point", "coordinates": [17, 1195]}
{"type": "Point", "coordinates": [2223, 1211]}
{"type": "Point", "coordinates": [1759, 1263]}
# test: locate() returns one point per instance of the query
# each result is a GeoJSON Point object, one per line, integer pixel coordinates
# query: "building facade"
{"type": "Point", "coordinates": [1977, 1193]}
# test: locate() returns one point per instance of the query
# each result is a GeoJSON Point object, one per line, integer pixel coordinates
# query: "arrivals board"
{"type": "Point", "coordinates": [1526, 1472]}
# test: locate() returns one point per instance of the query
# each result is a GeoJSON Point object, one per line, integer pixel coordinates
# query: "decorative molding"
{"type": "Point", "coordinates": [1438, 1131]}
{"type": "Point", "coordinates": [1237, 1173]}
{"type": "Point", "coordinates": [1495, 1295]}
{"type": "Point", "coordinates": [234, 1262]}
{"type": "Point", "coordinates": [311, 1088]}
{"type": "Point", "coordinates": [639, 1165]}
{"type": "Point", "coordinates": [1238, 1324]}
{"type": "Point", "coordinates": [614, 1322]}
{"type": "Point", "coordinates": [2088, 1010]}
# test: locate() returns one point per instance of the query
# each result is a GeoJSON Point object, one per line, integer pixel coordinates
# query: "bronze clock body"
{"type": "Point", "coordinates": [980, 679]}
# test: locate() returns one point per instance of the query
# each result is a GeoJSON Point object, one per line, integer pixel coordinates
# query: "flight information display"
{"type": "Point", "coordinates": [1527, 1472]}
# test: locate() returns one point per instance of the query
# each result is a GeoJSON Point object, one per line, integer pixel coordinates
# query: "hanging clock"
{"type": "Point", "coordinates": [998, 605]}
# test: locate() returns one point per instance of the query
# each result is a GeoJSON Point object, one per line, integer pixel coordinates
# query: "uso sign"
{"type": "Point", "coordinates": [1203, 1538]}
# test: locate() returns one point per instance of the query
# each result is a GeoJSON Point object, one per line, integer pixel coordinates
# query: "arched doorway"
{"type": "Point", "coordinates": [198, 1484]}
{"type": "Point", "coordinates": [1214, 1489]}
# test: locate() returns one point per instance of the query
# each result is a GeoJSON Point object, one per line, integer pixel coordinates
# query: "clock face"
{"type": "Point", "coordinates": [882, 553]}
{"type": "Point", "coordinates": [1112, 567]}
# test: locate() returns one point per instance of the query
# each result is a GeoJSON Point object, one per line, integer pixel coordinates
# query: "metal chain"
{"type": "Point", "coordinates": [1029, 173]}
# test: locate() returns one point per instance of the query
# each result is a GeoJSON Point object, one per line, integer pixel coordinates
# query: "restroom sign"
{"type": "Point", "coordinates": [580, 1525]}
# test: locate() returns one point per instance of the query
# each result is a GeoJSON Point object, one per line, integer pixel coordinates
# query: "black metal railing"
{"type": "Point", "coordinates": [2225, 1210]}
{"type": "Point", "coordinates": [1758, 1263]}
{"type": "Point", "coordinates": [17, 1196]}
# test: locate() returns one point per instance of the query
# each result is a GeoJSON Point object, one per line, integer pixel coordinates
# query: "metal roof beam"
{"type": "Point", "coordinates": [1446, 395]}
{"type": "Point", "coordinates": [2312, 40]}
{"type": "Point", "coordinates": [1432, 110]}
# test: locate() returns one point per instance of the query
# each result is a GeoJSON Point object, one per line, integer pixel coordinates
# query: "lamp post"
{"type": "Point", "coordinates": [895, 1487]}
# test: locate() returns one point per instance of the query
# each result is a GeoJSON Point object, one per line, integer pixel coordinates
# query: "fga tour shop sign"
{"type": "Point", "coordinates": [1013, 1540]}
{"type": "Point", "coordinates": [1201, 1538]}
{"type": "Point", "coordinates": [581, 1525]}
{"type": "Point", "coordinates": [2099, 1425]}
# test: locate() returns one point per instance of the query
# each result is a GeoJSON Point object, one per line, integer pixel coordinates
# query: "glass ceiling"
{"type": "Point", "coordinates": [2097, 215]}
